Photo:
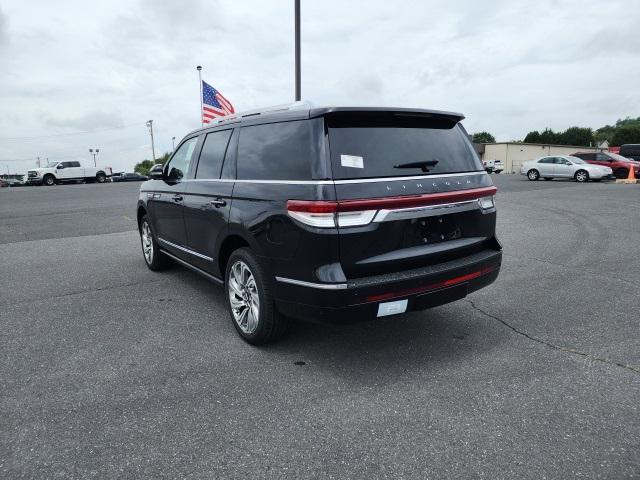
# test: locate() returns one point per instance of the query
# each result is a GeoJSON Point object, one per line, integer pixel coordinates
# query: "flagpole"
{"type": "Point", "coordinates": [199, 68]}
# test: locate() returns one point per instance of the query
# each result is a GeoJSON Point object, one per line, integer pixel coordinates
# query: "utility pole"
{"type": "Point", "coordinates": [94, 153]}
{"type": "Point", "coordinates": [297, 48]}
{"type": "Point", "coordinates": [38, 162]}
{"type": "Point", "coordinates": [173, 142]}
{"type": "Point", "coordinates": [153, 148]}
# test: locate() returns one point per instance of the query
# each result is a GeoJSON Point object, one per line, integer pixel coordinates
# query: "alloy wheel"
{"type": "Point", "coordinates": [244, 297]}
{"type": "Point", "coordinates": [581, 176]}
{"type": "Point", "coordinates": [147, 243]}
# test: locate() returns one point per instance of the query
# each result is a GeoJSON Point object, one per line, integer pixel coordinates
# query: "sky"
{"type": "Point", "coordinates": [106, 67]}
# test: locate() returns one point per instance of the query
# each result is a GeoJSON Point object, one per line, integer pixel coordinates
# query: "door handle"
{"type": "Point", "coordinates": [177, 198]}
{"type": "Point", "coordinates": [218, 203]}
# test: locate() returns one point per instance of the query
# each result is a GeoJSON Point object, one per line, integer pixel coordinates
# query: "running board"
{"type": "Point", "coordinates": [208, 276]}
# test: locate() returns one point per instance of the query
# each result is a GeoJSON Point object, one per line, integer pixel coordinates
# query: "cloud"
{"type": "Point", "coordinates": [93, 120]}
{"type": "Point", "coordinates": [510, 67]}
{"type": "Point", "coordinates": [4, 29]}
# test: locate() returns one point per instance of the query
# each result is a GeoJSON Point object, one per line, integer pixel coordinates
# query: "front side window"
{"type": "Point", "coordinates": [178, 166]}
{"type": "Point", "coordinates": [276, 151]}
{"type": "Point", "coordinates": [212, 155]}
{"type": "Point", "coordinates": [546, 160]}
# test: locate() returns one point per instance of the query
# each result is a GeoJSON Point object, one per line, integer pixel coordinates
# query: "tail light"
{"type": "Point", "coordinates": [351, 213]}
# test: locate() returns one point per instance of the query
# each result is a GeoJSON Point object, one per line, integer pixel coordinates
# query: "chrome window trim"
{"type": "Point", "coordinates": [337, 182]}
{"type": "Point", "coordinates": [184, 249]}
{"type": "Point", "coordinates": [323, 286]}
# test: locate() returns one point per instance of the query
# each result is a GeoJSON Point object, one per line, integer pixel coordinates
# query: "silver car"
{"type": "Point", "coordinates": [564, 166]}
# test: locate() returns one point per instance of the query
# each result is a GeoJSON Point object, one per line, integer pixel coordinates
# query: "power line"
{"type": "Point", "coordinates": [72, 133]}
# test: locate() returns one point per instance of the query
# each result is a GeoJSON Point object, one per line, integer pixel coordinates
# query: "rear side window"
{"type": "Point", "coordinates": [212, 155]}
{"type": "Point", "coordinates": [367, 148]}
{"type": "Point", "coordinates": [276, 151]}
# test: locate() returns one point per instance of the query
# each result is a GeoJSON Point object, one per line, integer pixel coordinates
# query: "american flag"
{"type": "Point", "coordinates": [214, 104]}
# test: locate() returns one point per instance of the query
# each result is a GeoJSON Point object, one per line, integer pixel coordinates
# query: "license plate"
{"type": "Point", "coordinates": [392, 308]}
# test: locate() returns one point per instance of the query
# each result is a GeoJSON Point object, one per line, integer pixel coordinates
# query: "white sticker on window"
{"type": "Point", "coordinates": [351, 161]}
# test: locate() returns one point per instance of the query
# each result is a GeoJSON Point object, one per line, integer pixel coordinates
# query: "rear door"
{"type": "Point", "coordinates": [413, 181]}
{"type": "Point", "coordinates": [546, 166]}
{"type": "Point", "coordinates": [562, 167]}
{"type": "Point", "coordinates": [207, 201]}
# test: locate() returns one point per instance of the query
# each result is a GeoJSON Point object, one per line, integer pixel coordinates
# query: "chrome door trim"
{"type": "Point", "coordinates": [184, 249]}
{"type": "Point", "coordinates": [193, 267]}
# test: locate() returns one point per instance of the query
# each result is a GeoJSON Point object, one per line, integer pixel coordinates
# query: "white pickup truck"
{"type": "Point", "coordinates": [58, 172]}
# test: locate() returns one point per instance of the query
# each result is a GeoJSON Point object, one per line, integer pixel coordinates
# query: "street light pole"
{"type": "Point", "coordinates": [173, 142]}
{"type": "Point", "coordinates": [297, 48]}
{"type": "Point", "coordinates": [94, 153]}
{"type": "Point", "coordinates": [153, 148]}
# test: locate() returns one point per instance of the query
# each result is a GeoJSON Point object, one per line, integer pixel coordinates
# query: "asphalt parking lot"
{"type": "Point", "coordinates": [110, 370]}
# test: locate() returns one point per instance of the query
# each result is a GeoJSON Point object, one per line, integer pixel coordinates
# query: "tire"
{"type": "Point", "coordinates": [548, 178]}
{"type": "Point", "coordinates": [581, 176]}
{"type": "Point", "coordinates": [101, 177]}
{"type": "Point", "coordinates": [153, 257]}
{"type": "Point", "coordinates": [49, 180]}
{"type": "Point", "coordinates": [621, 173]}
{"type": "Point", "coordinates": [533, 175]}
{"type": "Point", "coordinates": [251, 305]}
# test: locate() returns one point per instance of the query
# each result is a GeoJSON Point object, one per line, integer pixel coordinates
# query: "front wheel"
{"type": "Point", "coordinates": [581, 176]}
{"type": "Point", "coordinates": [533, 174]}
{"type": "Point", "coordinates": [251, 305]}
{"type": "Point", "coordinates": [101, 177]}
{"type": "Point", "coordinates": [153, 257]}
{"type": "Point", "coordinates": [49, 180]}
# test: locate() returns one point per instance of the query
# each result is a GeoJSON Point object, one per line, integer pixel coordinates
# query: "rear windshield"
{"type": "Point", "coordinates": [387, 149]}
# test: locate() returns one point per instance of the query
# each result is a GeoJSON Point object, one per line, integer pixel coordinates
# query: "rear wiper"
{"type": "Point", "coordinates": [423, 165]}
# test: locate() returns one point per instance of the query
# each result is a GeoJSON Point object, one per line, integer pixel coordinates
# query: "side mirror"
{"type": "Point", "coordinates": [59, 167]}
{"type": "Point", "coordinates": [156, 172]}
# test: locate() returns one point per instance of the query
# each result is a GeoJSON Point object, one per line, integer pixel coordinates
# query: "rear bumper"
{"type": "Point", "coordinates": [360, 299]}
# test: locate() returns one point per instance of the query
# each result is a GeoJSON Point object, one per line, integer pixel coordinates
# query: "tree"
{"type": "Point", "coordinates": [571, 136]}
{"type": "Point", "coordinates": [577, 136]}
{"type": "Point", "coordinates": [626, 134]}
{"type": "Point", "coordinates": [532, 137]}
{"type": "Point", "coordinates": [483, 137]}
{"type": "Point", "coordinates": [145, 166]}
{"type": "Point", "coordinates": [608, 131]}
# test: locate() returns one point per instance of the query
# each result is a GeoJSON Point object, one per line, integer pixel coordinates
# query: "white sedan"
{"type": "Point", "coordinates": [564, 166]}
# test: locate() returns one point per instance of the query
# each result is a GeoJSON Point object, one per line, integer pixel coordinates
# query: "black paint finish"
{"type": "Point", "coordinates": [206, 217]}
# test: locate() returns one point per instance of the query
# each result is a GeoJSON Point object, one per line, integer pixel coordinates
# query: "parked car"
{"type": "Point", "coordinates": [564, 166]}
{"type": "Point", "coordinates": [59, 172]}
{"type": "Point", "coordinates": [619, 164]}
{"type": "Point", "coordinates": [3, 183]}
{"type": "Point", "coordinates": [325, 214]}
{"type": "Point", "coordinates": [631, 151]}
{"type": "Point", "coordinates": [493, 166]}
{"type": "Point", "coordinates": [130, 177]}
{"type": "Point", "coordinates": [14, 182]}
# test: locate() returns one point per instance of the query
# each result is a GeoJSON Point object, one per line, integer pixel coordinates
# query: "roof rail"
{"type": "Point", "coordinates": [259, 111]}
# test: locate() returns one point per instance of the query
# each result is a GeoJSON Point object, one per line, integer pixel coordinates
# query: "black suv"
{"type": "Point", "coordinates": [325, 214]}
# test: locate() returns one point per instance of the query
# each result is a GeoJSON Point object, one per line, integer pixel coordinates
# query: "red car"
{"type": "Point", "coordinates": [619, 164]}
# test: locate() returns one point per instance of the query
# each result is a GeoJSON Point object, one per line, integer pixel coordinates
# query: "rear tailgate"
{"type": "Point", "coordinates": [409, 190]}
